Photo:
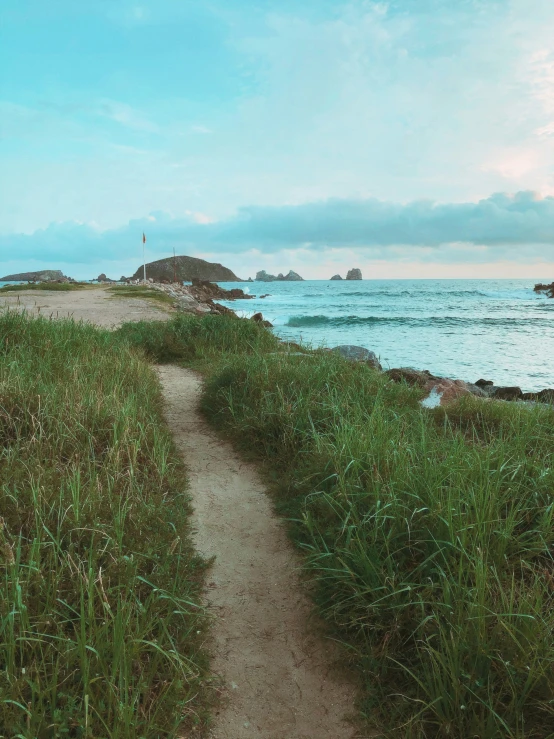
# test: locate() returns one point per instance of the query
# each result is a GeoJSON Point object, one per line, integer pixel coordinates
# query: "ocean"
{"type": "Point", "coordinates": [498, 330]}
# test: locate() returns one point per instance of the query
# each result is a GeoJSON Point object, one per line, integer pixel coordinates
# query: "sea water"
{"type": "Point", "coordinates": [499, 330]}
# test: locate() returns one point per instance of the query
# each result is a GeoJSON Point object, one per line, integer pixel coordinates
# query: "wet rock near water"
{"type": "Point", "coordinates": [205, 290]}
{"type": "Point", "coordinates": [546, 288]}
{"type": "Point", "coordinates": [358, 354]}
{"type": "Point", "coordinates": [258, 318]}
{"type": "Point", "coordinates": [336, 277]}
{"type": "Point", "coordinates": [411, 376]}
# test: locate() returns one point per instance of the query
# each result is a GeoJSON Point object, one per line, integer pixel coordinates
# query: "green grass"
{"type": "Point", "coordinates": [140, 291]}
{"type": "Point", "coordinates": [61, 287]}
{"type": "Point", "coordinates": [100, 628]}
{"type": "Point", "coordinates": [429, 534]}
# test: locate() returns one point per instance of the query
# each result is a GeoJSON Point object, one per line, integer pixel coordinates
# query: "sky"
{"type": "Point", "coordinates": [411, 138]}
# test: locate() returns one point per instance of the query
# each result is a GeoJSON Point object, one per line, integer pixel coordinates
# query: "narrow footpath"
{"type": "Point", "coordinates": [278, 676]}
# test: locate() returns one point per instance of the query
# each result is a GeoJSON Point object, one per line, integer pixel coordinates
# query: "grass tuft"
{"type": "Point", "coordinates": [100, 623]}
{"type": "Point", "coordinates": [429, 534]}
{"type": "Point", "coordinates": [140, 291]}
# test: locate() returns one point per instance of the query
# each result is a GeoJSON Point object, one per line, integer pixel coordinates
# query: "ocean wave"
{"type": "Point", "coordinates": [337, 321]}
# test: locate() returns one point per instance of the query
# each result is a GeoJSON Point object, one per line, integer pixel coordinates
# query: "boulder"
{"type": "Point", "coordinates": [507, 393]}
{"type": "Point", "coordinates": [354, 274]}
{"type": "Point", "coordinates": [258, 318]}
{"type": "Point", "coordinates": [543, 396]}
{"type": "Point", "coordinates": [477, 390]}
{"type": "Point", "coordinates": [411, 376]}
{"type": "Point", "coordinates": [358, 354]}
{"type": "Point", "coordinates": [444, 391]}
{"type": "Point", "coordinates": [336, 277]}
{"type": "Point", "coordinates": [484, 383]}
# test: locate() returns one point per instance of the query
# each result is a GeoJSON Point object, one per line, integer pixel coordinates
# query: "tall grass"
{"type": "Point", "coordinates": [429, 535]}
{"type": "Point", "coordinates": [100, 627]}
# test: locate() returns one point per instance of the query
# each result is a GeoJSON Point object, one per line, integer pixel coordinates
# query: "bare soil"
{"type": "Point", "coordinates": [279, 680]}
{"type": "Point", "coordinates": [89, 304]}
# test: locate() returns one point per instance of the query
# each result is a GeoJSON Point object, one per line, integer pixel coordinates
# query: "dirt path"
{"type": "Point", "coordinates": [279, 679]}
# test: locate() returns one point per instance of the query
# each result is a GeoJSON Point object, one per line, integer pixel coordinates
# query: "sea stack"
{"type": "Point", "coordinates": [263, 276]}
{"type": "Point", "coordinates": [354, 274]}
{"type": "Point", "coordinates": [336, 277]}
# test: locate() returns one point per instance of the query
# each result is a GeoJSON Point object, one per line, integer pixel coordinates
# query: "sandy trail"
{"type": "Point", "coordinates": [279, 678]}
{"type": "Point", "coordinates": [91, 304]}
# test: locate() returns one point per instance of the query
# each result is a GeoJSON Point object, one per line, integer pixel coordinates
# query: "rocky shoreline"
{"type": "Point", "coordinates": [200, 296]}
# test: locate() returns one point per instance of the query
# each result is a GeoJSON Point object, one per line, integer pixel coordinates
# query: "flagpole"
{"type": "Point", "coordinates": [143, 256]}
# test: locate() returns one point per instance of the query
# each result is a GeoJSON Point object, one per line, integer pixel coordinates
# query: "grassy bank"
{"type": "Point", "coordinates": [100, 628]}
{"type": "Point", "coordinates": [429, 534]}
{"type": "Point", "coordinates": [60, 287]}
{"type": "Point", "coordinates": [140, 291]}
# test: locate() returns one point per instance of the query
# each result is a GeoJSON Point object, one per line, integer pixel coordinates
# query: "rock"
{"type": "Point", "coordinates": [411, 376]}
{"type": "Point", "coordinates": [358, 354]}
{"type": "Point", "coordinates": [484, 383]}
{"type": "Point", "coordinates": [204, 290]}
{"type": "Point", "coordinates": [263, 276]}
{"type": "Point", "coordinates": [543, 396]}
{"type": "Point", "coordinates": [103, 278]}
{"type": "Point", "coordinates": [337, 277]}
{"type": "Point", "coordinates": [444, 391]}
{"type": "Point", "coordinates": [124, 279]}
{"type": "Point", "coordinates": [44, 275]}
{"type": "Point", "coordinates": [507, 393]}
{"type": "Point", "coordinates": [185, 269]}
{"type": "Point", "coordinates": [548, 289]}
{"type": "Point", "coordinates": [258, 318]}
{"type": "Point", "coordinates": [354, 274]}
{"type": "Point", "coordinates": [477, 390]}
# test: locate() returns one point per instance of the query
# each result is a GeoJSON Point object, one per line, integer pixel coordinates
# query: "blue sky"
{"type": "Point", "coordinates": [411, 137]}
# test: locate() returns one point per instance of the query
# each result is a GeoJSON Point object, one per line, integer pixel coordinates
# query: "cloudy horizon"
{"type": "Point", "coordinates": [407, 138]}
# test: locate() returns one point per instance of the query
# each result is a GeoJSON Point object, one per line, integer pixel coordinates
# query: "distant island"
{"type": "Point", "coordinates": [354, 274]}
{"type": "Point", "coordinates": [44, 275]}
{"type": "Point", "coordinates": [262, 276]}
{"type": "Point", "coordinates": [186, 269]}
{"type": "Point", "coordinates": [336, 277]}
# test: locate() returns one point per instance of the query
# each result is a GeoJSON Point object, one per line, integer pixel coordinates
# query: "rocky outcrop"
{"type": "Point", "coordinates": [185, 269]}
{"type": "Point", "coordinates": [354, 274]}
{"type": "Point", "coordinates": [44, 275]}
{"type": "Point", "coordinates": [354, 353]}
{"type": "Point", "coordinates": [203, 290]}
{"type": "Point", "coordinates": [263, 276]}
{"type": "Point", "coordinates": [548, 289]}
{"type": "Point", "coordinates": [336, 277]}
{"type": "Point", "coordinates": [258, 318]}
{"type": "Point", "coordinates": [411, 376]}
{"type": "Point", "coordinates": [103, 278]}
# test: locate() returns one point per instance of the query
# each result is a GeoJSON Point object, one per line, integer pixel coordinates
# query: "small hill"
{"type": "Point", "coordinates": [45, 275]}
{"type": "Point", "coordinates": [187, 268]}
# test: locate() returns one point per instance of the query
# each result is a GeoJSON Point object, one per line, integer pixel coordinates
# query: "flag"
{"type": "Point", "coordinates": [143, 238]}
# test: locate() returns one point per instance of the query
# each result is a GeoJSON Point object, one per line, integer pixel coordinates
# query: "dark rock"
{"type": "Point", "coordinates": [411, 376]}
{"type": "Point", "coordinates": [484, 383]}
{"type": "Point", "coordinates": [354, 274]}
{"type": "Point", "coordinates": [336, 277]}
{"type": "Point", "coordinates": [543, 396]}
{"type": "Point", "coordinates": [358, 354]}
{"type": "Point", "coordinates": [548, 289]}
{"type": "Point", "coordinates": [263, 276]}
{"type": "Point", "coordinates": [507, 393]}
{"type": "Point", "coordinates": [267, 295]}
{"type": "Point", "coordinates": [203, 290]}
{"type": "Point", "coordinates": [185, 269]}
{"type": "Point", "coordinates": [103, 278]}
{"type": "Point", "coordinates": [258, 318]}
